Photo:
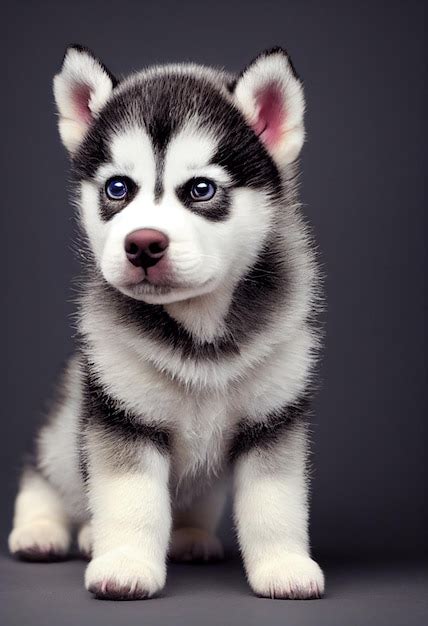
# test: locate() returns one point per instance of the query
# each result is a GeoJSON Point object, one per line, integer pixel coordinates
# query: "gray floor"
{"type": "Point", "coordinates": [358, 595]}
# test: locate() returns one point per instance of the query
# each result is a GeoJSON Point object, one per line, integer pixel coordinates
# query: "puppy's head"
{"type": "Point", "coordinates": [178, 169]}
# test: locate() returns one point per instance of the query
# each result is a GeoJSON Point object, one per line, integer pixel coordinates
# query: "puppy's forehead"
{"type": "Point", "coordinates": [189, 152]}
{"type": "Point", "coordinates": [166, 104]}
{"type": "Point", "coordinates": [161, 104]}
{"type": "Point", "coordinates": [182, 114]}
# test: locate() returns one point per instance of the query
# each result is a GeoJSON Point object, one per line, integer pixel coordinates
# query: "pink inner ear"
{"type": "Point", "coordinates": [271, 115]}
{"type": "Point", "coordinates": [81, 97]}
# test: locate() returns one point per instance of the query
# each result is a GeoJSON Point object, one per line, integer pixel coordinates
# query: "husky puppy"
{"type": "Point", "coordinates": [196, 325]}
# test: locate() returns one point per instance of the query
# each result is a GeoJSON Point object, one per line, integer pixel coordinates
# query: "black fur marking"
{"type": "Point", "coordinates": [265, 434]}
{"type": "Point", "coordinates": [104, 410]}
{"type": "Point", "coordinates": [231, 85]}
{"type": "Point", "coordinates": [83, 461]}
{"type": "Point", "coordinates": [160, 163]}
{"type": "Point", "coordinates": [254, 300]}
{"type": "Point", "coordinates": [160, 128]}
{"type": "Point", "coordinates": [90, 155]}
{"type": "Point", "coordinates": [247, 168]}
{"type": "Point", "coordinates": [216, 210]}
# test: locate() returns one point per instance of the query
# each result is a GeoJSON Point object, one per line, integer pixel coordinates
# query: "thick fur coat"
{"type": "Point", "coordinates": [197, 331]}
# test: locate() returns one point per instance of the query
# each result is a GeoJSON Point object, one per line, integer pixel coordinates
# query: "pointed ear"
{"type": "Point", "coordinates": [81, 89]}
{"type": "Point", "coordinates": [270, 95]}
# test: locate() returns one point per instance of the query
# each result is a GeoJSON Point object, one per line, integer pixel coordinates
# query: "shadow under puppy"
{"type": "Point", "coordinates": [196, 330]}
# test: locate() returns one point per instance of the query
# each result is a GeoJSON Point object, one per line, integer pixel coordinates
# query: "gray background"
{"type": "Point", "coordinates": [363, 64]}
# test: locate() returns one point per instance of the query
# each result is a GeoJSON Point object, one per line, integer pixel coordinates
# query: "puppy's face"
{"type": "Point", "coordinates": [178, 171]}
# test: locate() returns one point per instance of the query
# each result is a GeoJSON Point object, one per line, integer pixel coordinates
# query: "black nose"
{"type": "Point", "coordinates": [145, 247]}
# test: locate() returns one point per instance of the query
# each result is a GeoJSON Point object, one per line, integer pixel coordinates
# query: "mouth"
{"type": "Point", "coordinates": [150, 281]}
{"type": "Point", "coordinates": [145, 287]}
{"type": "Point", "coordinates": [166, 292]}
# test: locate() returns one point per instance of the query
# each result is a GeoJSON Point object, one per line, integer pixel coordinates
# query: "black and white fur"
{"type": "Point", "coordinates": [177, 385]}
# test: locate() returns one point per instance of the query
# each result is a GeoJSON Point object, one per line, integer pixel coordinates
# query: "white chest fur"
{"type": "Point", "coordinates": [269, 373]}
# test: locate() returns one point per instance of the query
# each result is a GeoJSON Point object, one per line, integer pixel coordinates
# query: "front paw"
{"type": "Point", "coordinates": [40, 540]}
{"type": "Point", "coordinates": [122, 574]}
{"type": "Point", "coordinates": [292, 576]}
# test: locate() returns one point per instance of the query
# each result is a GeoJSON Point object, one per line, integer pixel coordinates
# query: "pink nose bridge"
{"type": "Point", "coordinates": [145, 247]}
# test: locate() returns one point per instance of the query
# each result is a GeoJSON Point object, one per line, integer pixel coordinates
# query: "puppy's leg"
{"type": "Point", "coordinates": [272, 516]}
{"type": "Point", "coordinates": [41, 529]}
{"type": "Point", "coordinates": [193, 537]}
{"type": "Point", "coordinates": [85, 540]}
{"type": "Point", "coordinates": [131, 519]}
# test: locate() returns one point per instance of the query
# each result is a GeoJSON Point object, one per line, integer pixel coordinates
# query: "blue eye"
{"type": "Point", "coordinates": [202, 189]}
{"type": "Point", "coordinates": [116, 188]}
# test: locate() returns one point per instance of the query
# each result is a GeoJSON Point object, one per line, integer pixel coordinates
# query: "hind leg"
{"type": "Point", "coordinates": [41, 529]}
{"type": "Point", "coordinates": [85, 540]}
{"type": "Point", "coordinates": [193, 537]}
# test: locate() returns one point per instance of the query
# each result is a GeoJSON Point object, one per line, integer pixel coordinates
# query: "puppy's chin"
{"type": "Point", "coordinates": [163, 294]}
